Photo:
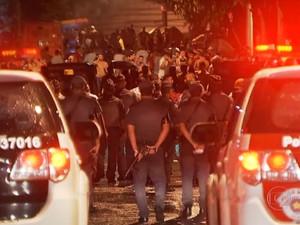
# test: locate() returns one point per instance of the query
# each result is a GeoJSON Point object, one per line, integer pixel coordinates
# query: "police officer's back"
{"type": "Point", "coordinates": [222, 104]}
{"type": "Point", "coordinates": [147, 127]}
{"type": "Point", "coordinates": [80, 106]}
{"type": "Point", "coordinates": [193, 155]}
{"type": "Point", "coordinates": [128, 98]}
{"type": "Point", "coordinates": [169, 143]}
{"type": "Point", "coordinates": [113, 114]}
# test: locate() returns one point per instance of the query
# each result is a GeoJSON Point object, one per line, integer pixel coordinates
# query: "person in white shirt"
{"type": "Point", "coordinates": [164, 64]}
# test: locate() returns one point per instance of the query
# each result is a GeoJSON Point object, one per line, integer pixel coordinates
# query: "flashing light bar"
{"type": "Point", "coordinates": [284, 48]}
{"type": "Point", "coordinates": [10, 52]}
{"type": "Point", "coordinates": [272, 47]}
{"type": "Point", "coordinates": [262, 48]}
{"type": "Point", "coordinates": [23, 52]}
{"type": "Point", "coordinates": [30, 51]}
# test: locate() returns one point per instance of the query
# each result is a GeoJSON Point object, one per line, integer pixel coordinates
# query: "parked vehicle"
{"type": "Point", "coordinates": [40, 177]}
{"type": "Point", "coordinates": [256, 180]}
{"type": "Point", "coordinates": [64, 72]}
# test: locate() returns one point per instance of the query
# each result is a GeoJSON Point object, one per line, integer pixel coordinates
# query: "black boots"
{"type": "Point", "coordinates": [186, 212]}
{"type": "Point", "coordinates": [143, 220]}
{"type": "Point", "coordinates": [159, 214]}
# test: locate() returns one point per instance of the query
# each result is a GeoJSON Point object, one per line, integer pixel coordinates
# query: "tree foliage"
{"type": "Point", "coordinates": [198, 13]}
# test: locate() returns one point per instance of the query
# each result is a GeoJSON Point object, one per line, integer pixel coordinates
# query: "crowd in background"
{"type": "Point", "coordinates": [179, 73]}
{"type": "Point", "coordinates": [89, 41]}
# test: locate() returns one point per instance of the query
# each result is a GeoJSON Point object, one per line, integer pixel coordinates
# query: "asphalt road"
{"type": "Point", "coordinates": [116, 205]}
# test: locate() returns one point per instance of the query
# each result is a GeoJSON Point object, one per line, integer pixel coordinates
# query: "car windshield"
{"type": "Point", "coordinates": [274, 106]}
{"type": "Point", "coordinates": [27, 108]}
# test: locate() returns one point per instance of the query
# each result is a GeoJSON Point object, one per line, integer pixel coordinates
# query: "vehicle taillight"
{"type": "Point", "coordinates": [278, 161]}
{"type": "Point", "coordinates": [250, 165]}
{"type": "Point", "coordinates": [59, 163]}
{"type": "Point", "coordinates": [30, 165]}
{"type": "Point", "coordinates": [276, 165]}
{"type": "Point", "coordinates": [250, 161]}
{"type": "Point", "coordinates": [32, 159]}
{"type": "Point", "coordinates": [53, 164]}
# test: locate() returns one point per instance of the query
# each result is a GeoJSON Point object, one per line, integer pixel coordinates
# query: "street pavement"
{"type": "Point", "coordinates": [116, 205]}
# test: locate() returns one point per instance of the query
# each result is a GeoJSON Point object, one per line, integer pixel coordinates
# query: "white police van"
{"type": "Point", "coordinates": [40, 177]}
{"type": "Point", "coordinates": [257, 176]}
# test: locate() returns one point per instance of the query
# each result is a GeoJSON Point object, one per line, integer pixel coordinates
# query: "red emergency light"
{"type": "Point", "coordinates": [9, 52]}
{"type": "Point", "coordinates": [30, 51]}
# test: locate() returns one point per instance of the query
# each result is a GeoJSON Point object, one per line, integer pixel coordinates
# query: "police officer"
{"type": "Point", "coordinates": [193, 157]}
{"type": "Point", "coordinates": [147, 127]}
{"type": "Point", "coordinates": [113, 114]}
{"type": "Point", "coordinates": [221, 102]}
{"type": "Point", "coordinates": [169, 143]}
{"type": "Point", "coordinates": [223, 106]}
{"type": "Point", "coordinates": [80, 106]}
{"type": "Point", "coordinates": [128, 98]}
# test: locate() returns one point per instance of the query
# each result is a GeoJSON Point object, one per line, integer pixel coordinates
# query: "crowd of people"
{"type": "Point", "coordinates": [149, 102]}
{"type": "Point", "coordinates": [149, 96]}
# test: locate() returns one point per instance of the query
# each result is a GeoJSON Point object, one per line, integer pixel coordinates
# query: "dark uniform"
{"type": "Point", "coordinates": [147, 127]}
{"type": "Point", "coordinates": [223, 106]}
{"type": "Point", "coordinates": [169, 143]}
{"type": "Point", "coordinates": [190, 112]}
{"type": "Point", "coordinates": [113, 114]}
{"type": "Point", "coordinates": [80, 106]}
{"type": "Point", "coordinates": [128, 98]}
{"type": "Point", "coordinates": [221, 102]}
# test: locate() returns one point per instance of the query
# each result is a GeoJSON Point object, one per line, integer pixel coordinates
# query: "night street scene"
{"type": "Point", "coordinates": [174, 112]}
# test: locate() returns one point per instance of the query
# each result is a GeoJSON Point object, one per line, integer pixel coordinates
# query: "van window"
{"type": "Point", "coordinates": [27, 108]}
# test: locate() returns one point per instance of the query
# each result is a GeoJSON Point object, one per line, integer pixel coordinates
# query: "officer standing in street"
{"type": "Point", "coordinates": [128, 98]}
{"type": "Point", "coordinates": [79, 106]}
{"type": "Point", "coordinates": [147, 127]}
{"type": "Point", "coordinates": [170, 141]}
{"type": "Point", "coordinates": [194, 157]}
{"type": "Point", "coordinates": [113, 114]}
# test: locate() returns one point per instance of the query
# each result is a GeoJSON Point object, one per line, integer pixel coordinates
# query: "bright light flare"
{"type": "Point", "coordinates": [59, 158]}
{"type": "Point", "coordinates": [38, 109]}
{"type": "Point", "coordinates": [284, 48]}
{"type": "Point", "coordinates": [32, 159]}
{"type": "Point", "coordinates": [262, 48]}
{"type": "Point", "coordinates": [250, 161]}
{"type": "Point", "coordinates": [278, 161]}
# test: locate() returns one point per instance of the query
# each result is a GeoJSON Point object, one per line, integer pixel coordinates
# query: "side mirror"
{"type": "Point", "coordinates": [207, 133]}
